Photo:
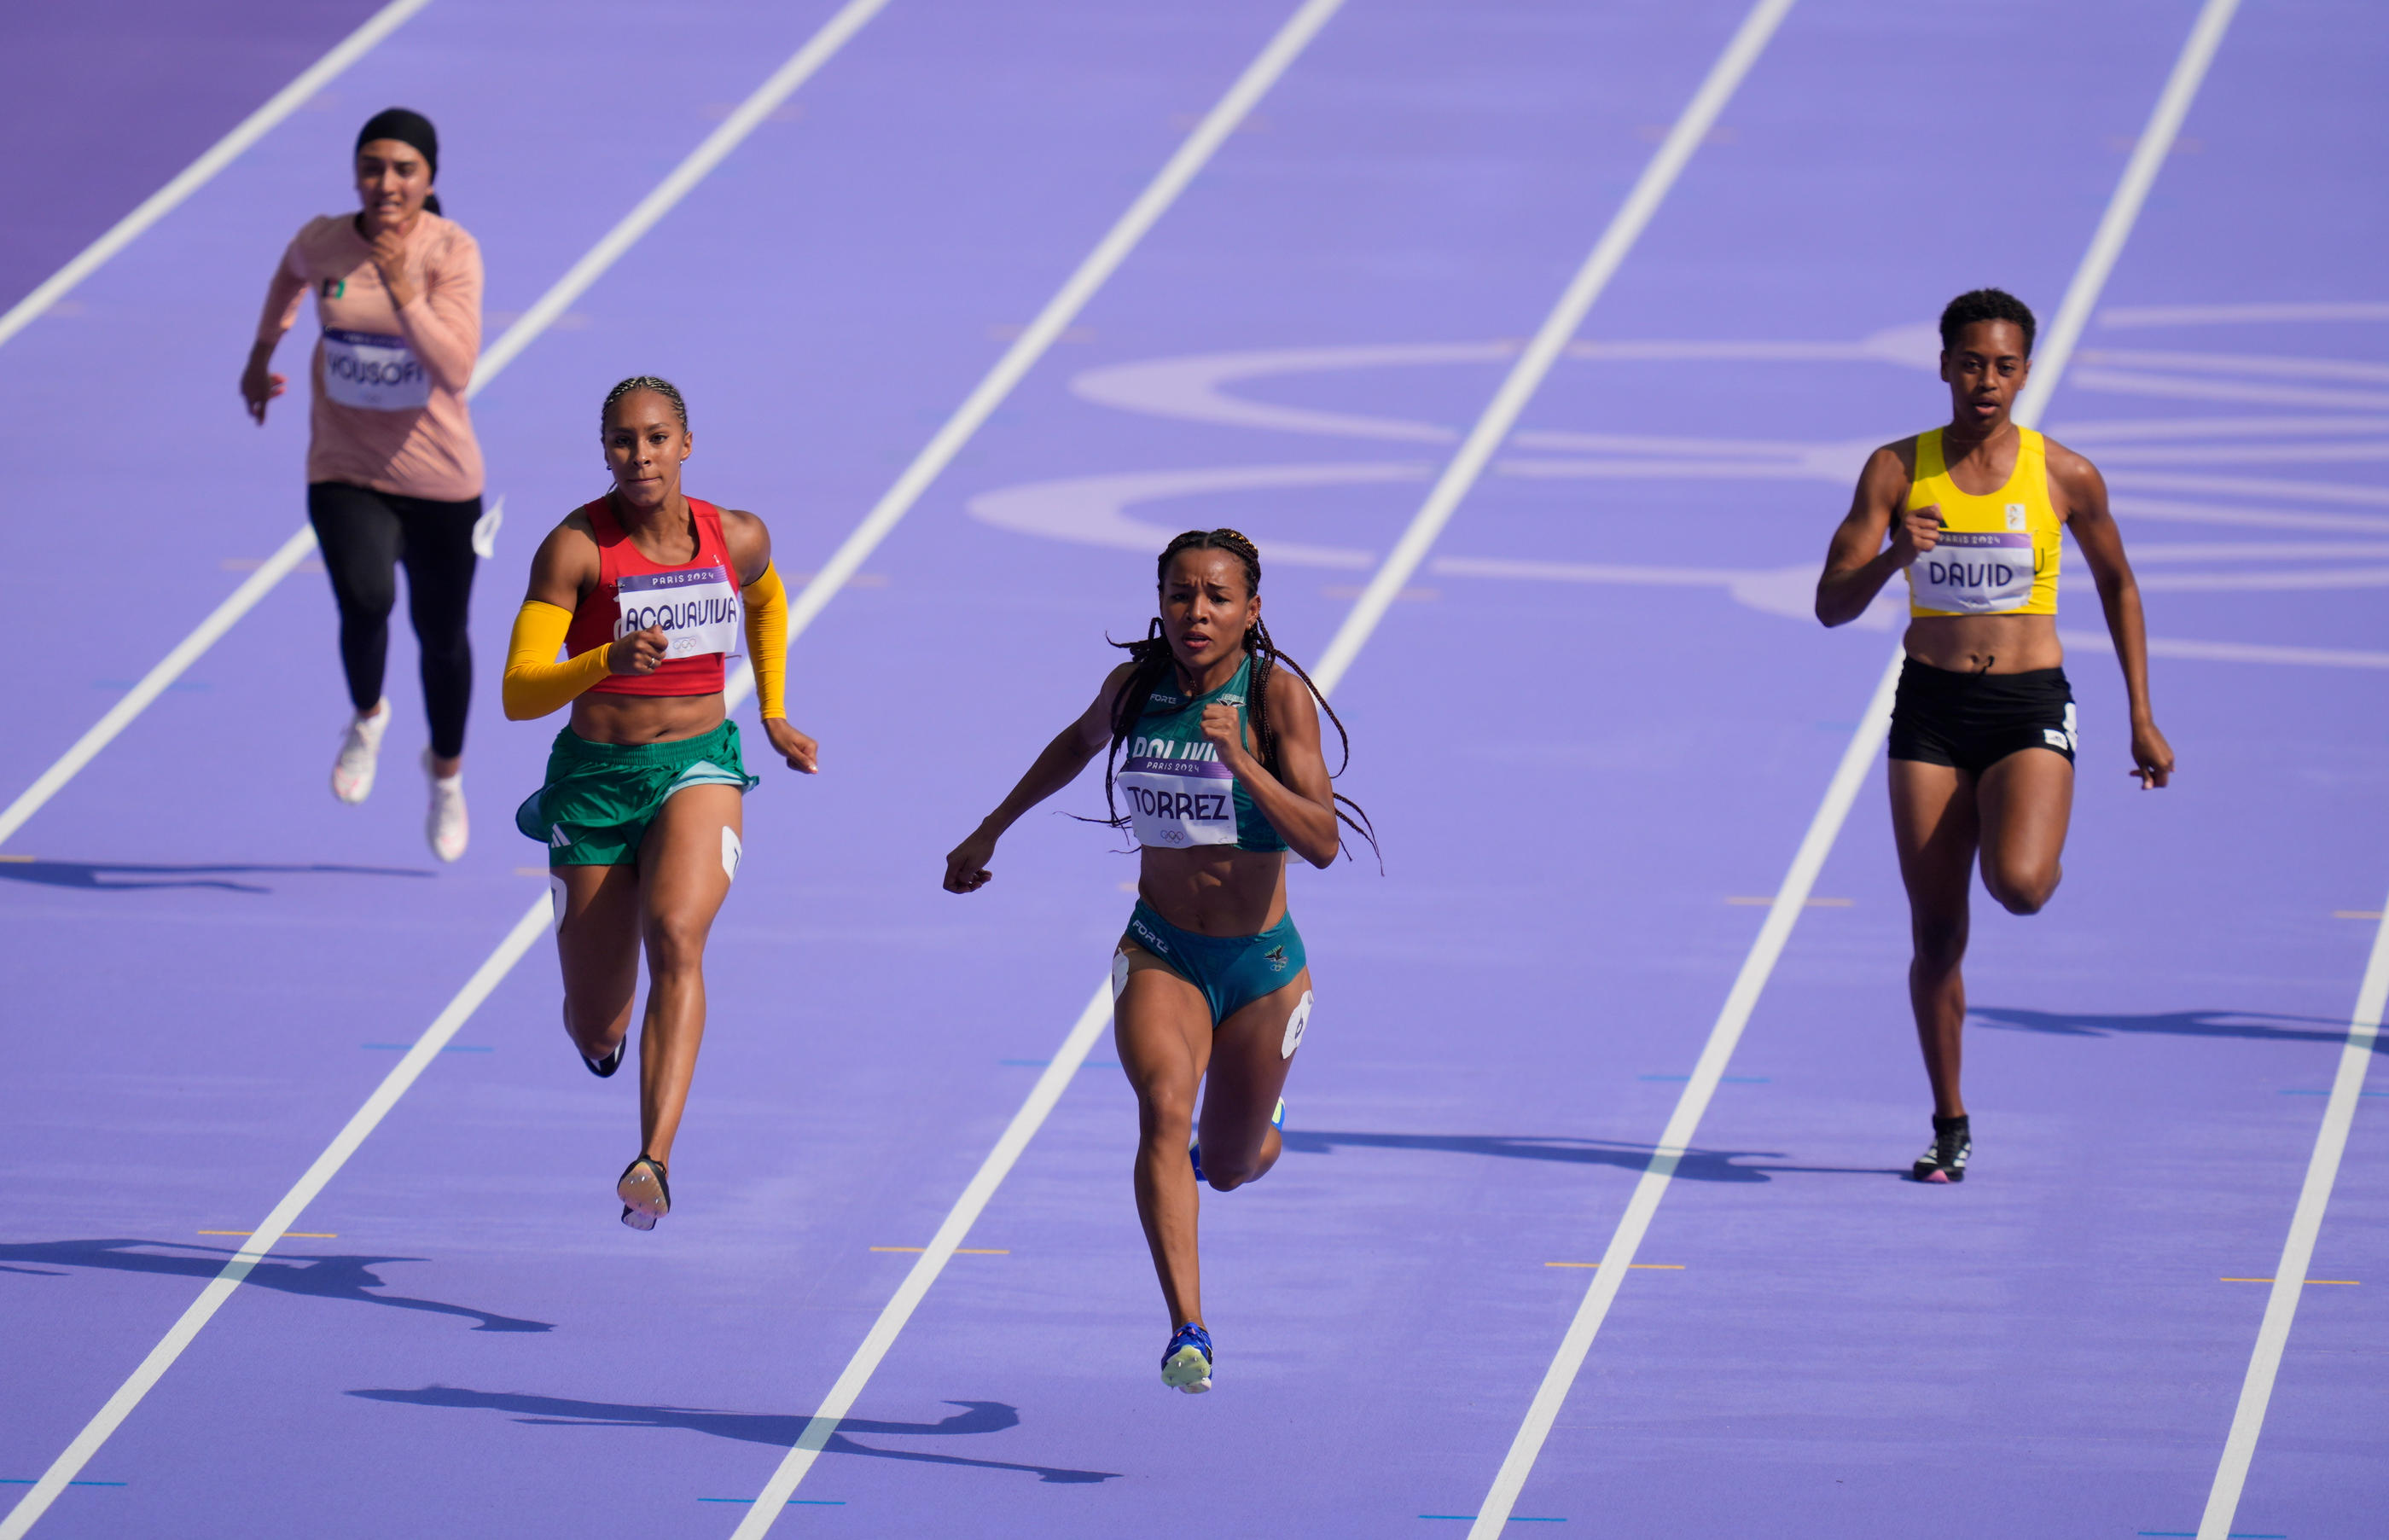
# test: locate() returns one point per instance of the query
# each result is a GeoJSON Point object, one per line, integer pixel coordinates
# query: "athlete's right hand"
{"type": "Point", "coordinates": [966, 864]}
{"type": "Point", "coordinates": [639, 653]}
{"type": "Point", "coordinates": [259, 385]}
{"type": "Point", "coordinates": [1916, 531]}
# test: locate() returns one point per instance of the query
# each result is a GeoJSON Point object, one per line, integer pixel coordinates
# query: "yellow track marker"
{"type": "Point", "coordinates": [1655, 1267]}
{"type": "Point", "coordinates": [959, 1251]}
{"type": "Point", "coordinates": [2336, 914]}
{"type": "Point", "coordinates": [18, 858]}
{"type": "Point", "coordinates": [2349, 1282]}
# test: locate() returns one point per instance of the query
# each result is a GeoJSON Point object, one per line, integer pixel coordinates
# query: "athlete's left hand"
{"type": "Point", "coordinates": [801, 752]}
{"type": "Point", "coordinates": [1224, 727]}
{"type": "Point", "coordinates": [2151, 756]}
{"type": "Point", "coordinates": [389, 256]}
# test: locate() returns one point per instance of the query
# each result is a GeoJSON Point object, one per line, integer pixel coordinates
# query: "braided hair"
{"type": "Point", "coordinates": [663, 388]}
{"type": "Point", "coordinates": [1153, 661]}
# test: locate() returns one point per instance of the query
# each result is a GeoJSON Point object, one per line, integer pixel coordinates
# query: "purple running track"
{"type": "Point", "coordinates": [1599, 718]}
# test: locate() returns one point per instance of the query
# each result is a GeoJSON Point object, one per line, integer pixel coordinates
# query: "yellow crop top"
{"type": "Point", "coordinates": [1998, 554]}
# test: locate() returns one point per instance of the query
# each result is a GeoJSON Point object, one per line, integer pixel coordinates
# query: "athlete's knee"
{"type": "Point", "coordinates": [1166, 1111]}
{"type": "Point", "coordinates": [675, 945]}
{"type": "Point", "coordinates": [2025, 891]}
{"type": "Point", "coordinates": [1939, 939]}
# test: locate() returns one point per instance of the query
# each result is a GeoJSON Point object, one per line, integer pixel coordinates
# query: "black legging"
{"type": "Point", "coordinates": [365, 535]}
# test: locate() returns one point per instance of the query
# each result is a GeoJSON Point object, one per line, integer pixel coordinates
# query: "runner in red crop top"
{"type": "Point", "coordinates": [647, 591]}
{"type": "Point", "coordinates": [595, 622]}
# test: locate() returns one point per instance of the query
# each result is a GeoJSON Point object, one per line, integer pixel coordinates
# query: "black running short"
{"type": "Point", "coordinates": [1973, 721]}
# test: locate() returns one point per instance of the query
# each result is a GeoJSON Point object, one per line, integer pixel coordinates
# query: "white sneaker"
{"type": "Point", "coordinates": [352, 772]}
{"type": "Point", "coordinates": [444, 826]}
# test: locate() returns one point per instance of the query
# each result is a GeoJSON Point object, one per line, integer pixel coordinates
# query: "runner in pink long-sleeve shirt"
{"type": "Point", "coordinates": [393, 472]}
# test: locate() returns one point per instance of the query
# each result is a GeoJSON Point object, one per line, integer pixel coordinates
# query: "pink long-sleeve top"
{"type": "Point", "coordinates": [389, 380]}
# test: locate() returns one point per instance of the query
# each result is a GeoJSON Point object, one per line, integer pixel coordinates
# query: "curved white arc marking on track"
{"type": "Point", "coordinates": [1189, 387]}
{"type": "Point", "coordinates": [2297, 1251]}
{"type": "Point", "coordinates": [1526, 376]}
{"type": "Point", "coordinates": [800, 67]}
{"type": "Point", "coordinates": [2057, 344]}
{"type": "Point", "coordinates": [2254, 485]}
{"type": "Point", "coordinates": [2207, 365]}
{"type": "Point", "coordinates": [1091, 510]}
{"type": "Point", "coordinates": [2221, 316]}
{"type": "Point", "coordinates": [199, 172]}
{"type": "Point", "coordinates": [2109, 430]}
{"type": "Point", "coordinates": [2235, 652]}
{"type": "Point", "coordinates": [1275, 57]}
{"type": "Point", "coordinates": [2191, 389]}
{"type": "Point", "coordinates": [2263, 519]}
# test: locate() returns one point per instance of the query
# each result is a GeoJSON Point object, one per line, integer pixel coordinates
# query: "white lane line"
{"type": "Point", "coordinates": [1558, 328]}
{"type": "Point", "coordinates": [2297, 1251]}
{"type": "Point", "coordinates": [270, 1231]}
{"type": "Point", "coordinates": [1272, 62]}
{"type": "Point", "coordinates": [256, 126]}
{"type": "Point", "coordinates": [2048, 367]}
{"type": "Point", "coordinates": [800, 67]}
{"type": "Point", "coordinates": [518, 940]}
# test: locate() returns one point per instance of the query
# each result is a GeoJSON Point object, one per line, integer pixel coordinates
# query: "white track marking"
{"type": "Point", "coordinates": [2297, 1252]}
{"type": "Point", "coordinates": [153, 684]}
{"type": "Point", "coordinates": [1264, 71]}
{"type": "Point", "coordinates": [270, 1230]}
{"type": "Point", "coordinates": [2056, 347]}
{"type": "Point", "coordinates": [1551, 339]}
{"type": "Point", "coordinates": [528, 929]}
{"type": "Point", "coordinates": [256, 126]}
{"type": "Point", "coordinates": [800, 67]}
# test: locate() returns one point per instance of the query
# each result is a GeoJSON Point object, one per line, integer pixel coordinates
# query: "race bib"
{"type": "Point", "coordinates": [1974, 572]}
{"type": "Point", "coordinates": [696, 606]}
{"type": "Point", "coordinates": [379, 374]}
{"type": "Point", "coordinates": [1179, 795]}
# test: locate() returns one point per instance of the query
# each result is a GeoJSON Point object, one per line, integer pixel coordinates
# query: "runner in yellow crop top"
{"type": "Point", "coordinates": [1982, 728]}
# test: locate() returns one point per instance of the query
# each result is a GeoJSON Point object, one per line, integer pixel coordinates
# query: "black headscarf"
{"type": "Point", "coordinates": [407, 127]}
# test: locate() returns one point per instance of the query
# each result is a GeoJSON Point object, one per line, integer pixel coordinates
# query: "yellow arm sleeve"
{"type": "Point", "coordinates": [767, 642]}
{"type": "Point", "coordinates": [535, 683]}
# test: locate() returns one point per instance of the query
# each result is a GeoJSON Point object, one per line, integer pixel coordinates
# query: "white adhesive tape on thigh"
{"type": "Point", "coordinates": [731, 851]}
{"type": "Point", "coordinates": [1293, 1025]}
{"type": "Point", "coordinates": [1120, 974]}
{"type": "Point", "coordinates": [555, 899]}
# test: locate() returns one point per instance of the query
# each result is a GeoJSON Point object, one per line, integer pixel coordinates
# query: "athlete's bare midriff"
{"type": "Point", "coordinates": [609, 718]}
{"type": "Point", "coordinates": [1986, 644]}
{"type": "Point", "coordinates": [1215, 889]}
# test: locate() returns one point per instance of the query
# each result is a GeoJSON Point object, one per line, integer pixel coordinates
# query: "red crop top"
{"type": "Point", "coordinates": [697, 606]}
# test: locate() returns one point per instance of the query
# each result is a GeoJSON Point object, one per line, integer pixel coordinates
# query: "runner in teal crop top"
{"type": "Point", "coordinates": [1179, 792]}
{"type": "Point", "coordinates": [1216, 736]}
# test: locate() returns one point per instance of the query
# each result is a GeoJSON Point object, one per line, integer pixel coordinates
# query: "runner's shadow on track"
{"type": "Point", "coordinates": [96, 876]}
{"type": "Point", "coordinates": [1698, 1165]}
{"type": "Point", "coordinates": [779, 1431]}
{"type": "Point", "coordinates": [340, 1278]}
{"type": "Point", "coordinates": [2264, 1026]}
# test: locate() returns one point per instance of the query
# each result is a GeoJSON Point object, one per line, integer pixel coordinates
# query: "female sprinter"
{"type": "Point", "coordinates": [393, 472]}
{"type": "Point", "coordinates": [1224, 776]}
{"type": "Point", "coordinates": [1982, 733]}
{"type": "Point", "coordinates": [642, 591]}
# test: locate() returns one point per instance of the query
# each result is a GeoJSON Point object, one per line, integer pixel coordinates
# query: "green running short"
{"type": "Point", "coordinates": [600, 798]}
